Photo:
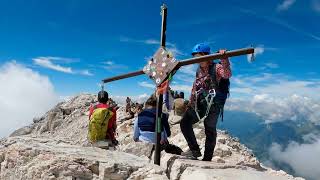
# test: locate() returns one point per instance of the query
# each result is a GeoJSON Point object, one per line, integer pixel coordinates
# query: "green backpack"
{"type": "Point", "coordinates": [98, 124]}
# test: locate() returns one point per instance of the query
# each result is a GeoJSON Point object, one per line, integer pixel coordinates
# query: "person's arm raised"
{"type": "Point", "coordinates": [223, 70]}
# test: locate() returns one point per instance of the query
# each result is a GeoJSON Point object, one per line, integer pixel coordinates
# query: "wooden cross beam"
{"type": "Point", "coordinates": [185, 62]}
{"type": "Point", "coordinates": [237, 52]}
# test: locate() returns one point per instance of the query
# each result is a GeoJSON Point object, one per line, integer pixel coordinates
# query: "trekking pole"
{"type": "Point", "coordinates": [160, 96]}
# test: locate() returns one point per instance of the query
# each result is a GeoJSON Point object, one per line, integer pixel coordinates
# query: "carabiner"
{"type": "Point", "coordinates": [212, 92]}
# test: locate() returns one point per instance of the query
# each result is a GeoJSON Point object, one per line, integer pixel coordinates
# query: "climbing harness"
{"type": "Point", "coordinates": [209, 100]}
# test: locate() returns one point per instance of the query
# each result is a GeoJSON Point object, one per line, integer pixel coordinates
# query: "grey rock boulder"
{"type": "Point", "coordinates": [39, 158]}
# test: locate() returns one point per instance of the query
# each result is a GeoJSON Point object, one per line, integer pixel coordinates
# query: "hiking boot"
{"type": "Point", "coordinates": [206, 159]}
{"type": "Point", "coordinates": [192, 154]}
{"type": "Point", "coordinates": [207, 156]}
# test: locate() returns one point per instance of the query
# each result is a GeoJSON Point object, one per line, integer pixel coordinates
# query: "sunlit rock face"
{"type": "Point", "coordinates": [55, 146]}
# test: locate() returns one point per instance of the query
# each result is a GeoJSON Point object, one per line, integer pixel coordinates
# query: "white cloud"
{"type": "Point", "coordinates": [303, 158]}
{"type": "Point", "coordinates": [138, 98]}
{"type": "Point", "coordinates": [86, 73]}
{"type": "Point", "coordinates": [108, 63]}
{"type": "Point", "coordinates": [149, 42]}
{"type": "Point", "coordinates": [285, 5]}
{"type": "Point", "coordinates": [243, 90]}
{"type": "Point", "coordinates": [175, 51]}
{"type": "Point", "coordinates": [288, 87]}
{"type": "Point", "coordinates": [274, 109]}
{"type": "Point", "coordinates": [131, 40]}
{"type": "Point", "coordinates": [310, 138]}
{"type": "Point", "coordinates": [181, 87]}
{"type": "Point", "coordinates": [189, 70]}
{"type": "Point", "coordinates": [184, 78]}
{"type": "Point", "coordinates": [147, 58]}
{"type": "Point", "coordinates": [141, 98]}
{"type": "Point", "coordinates": [279, 97]}
{"type": "Point", "coordinates": [277, 85]}
{"type": "Point", "coordinates": [272, 65]}
{"type": "Point", "coordinates": [186, 74]}
{"type": "Point", "coordinates": [145, 41]}
{"type": "Point", "coordinates": [112, 66]}
{"type": "Point", "coordinates": [61, 59]}
{"type": "Point", "coordinates": [47, 62]}
{"type": "Point", "coordinates": [258, 50]}
{"type": "Point", "coordinates": [173, 86]}
{"type": "Point", "coordinates": [24, 94]}
{"type": "Point", "coordinates": [147, 85]}
{"type": "Point", "coordinates": [169, 46]}
{"type": "Point", "coordinates": [276, 97]}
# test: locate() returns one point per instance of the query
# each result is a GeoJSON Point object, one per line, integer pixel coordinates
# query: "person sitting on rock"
{"type": "Point", "coordinates": [176, 95]}
{"type": "Point", "coordinates": [144, 125]}
{"type": "Point", "coordinates": [130, 114]}
{"type": "Point", "coordinates": [181, 95]}
{"type": "Point", "coordinates": [110, 127]}
{"type": "Point", "coordinates": [139, 108]}
{"type": "Point", "coordinates": [112, 104]}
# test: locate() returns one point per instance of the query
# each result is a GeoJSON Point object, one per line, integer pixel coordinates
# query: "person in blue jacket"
{"type": "Point", "coordinates": [144, 124]}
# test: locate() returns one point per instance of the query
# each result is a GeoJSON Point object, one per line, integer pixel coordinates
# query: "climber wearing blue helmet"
{"type": "Point", "coordinates": [210, 77]}
{"type": "Point", "coordinates": [202, 48]}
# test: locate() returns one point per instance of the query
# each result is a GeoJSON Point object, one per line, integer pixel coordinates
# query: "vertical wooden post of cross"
{"type": "Point", "coordinates": [160, 96]}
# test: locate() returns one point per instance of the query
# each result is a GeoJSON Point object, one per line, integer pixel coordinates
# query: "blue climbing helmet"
{"type": "Point", "coordinates": [201, 48]}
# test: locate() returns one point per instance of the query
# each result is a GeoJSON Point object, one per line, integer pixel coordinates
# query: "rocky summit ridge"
{"type": "Point", "coordinates": [55, 146]}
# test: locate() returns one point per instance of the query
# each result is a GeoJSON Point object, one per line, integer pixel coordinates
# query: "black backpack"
{"type": "Point", "coordinates": [222, 92]}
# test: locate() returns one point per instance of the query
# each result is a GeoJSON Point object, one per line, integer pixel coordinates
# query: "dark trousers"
{"type": "Point", "coordinates": [210, 124]}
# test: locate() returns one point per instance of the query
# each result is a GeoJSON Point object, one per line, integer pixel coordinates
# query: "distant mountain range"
{"type": "Point", "coordinates": [258, 136]}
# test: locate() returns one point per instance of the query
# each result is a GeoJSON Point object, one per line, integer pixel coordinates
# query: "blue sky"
{"type": "Point", "coordinates": [77, 43]}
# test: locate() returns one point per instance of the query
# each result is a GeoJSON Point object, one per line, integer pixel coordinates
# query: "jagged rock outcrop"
{"type": "Point", "coordinates": [55, 147]}
{"type": "Point", "coordinates": [25, 157]}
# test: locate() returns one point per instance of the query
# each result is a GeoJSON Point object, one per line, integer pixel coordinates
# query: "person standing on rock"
{"type": "Point", "coordinates": [179, 105]}
{"type": "Point", "coordinates": [110, 129]}
{"type": "Point", "coordinates": [179, 108]}
{"type": "Point", "coordinates": [128, 104]}
{"type": "Point", "coordinates": [210, 77]}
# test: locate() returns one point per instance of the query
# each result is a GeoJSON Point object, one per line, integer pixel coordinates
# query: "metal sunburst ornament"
{"type": "Point", "coordinates": [160, 65]}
